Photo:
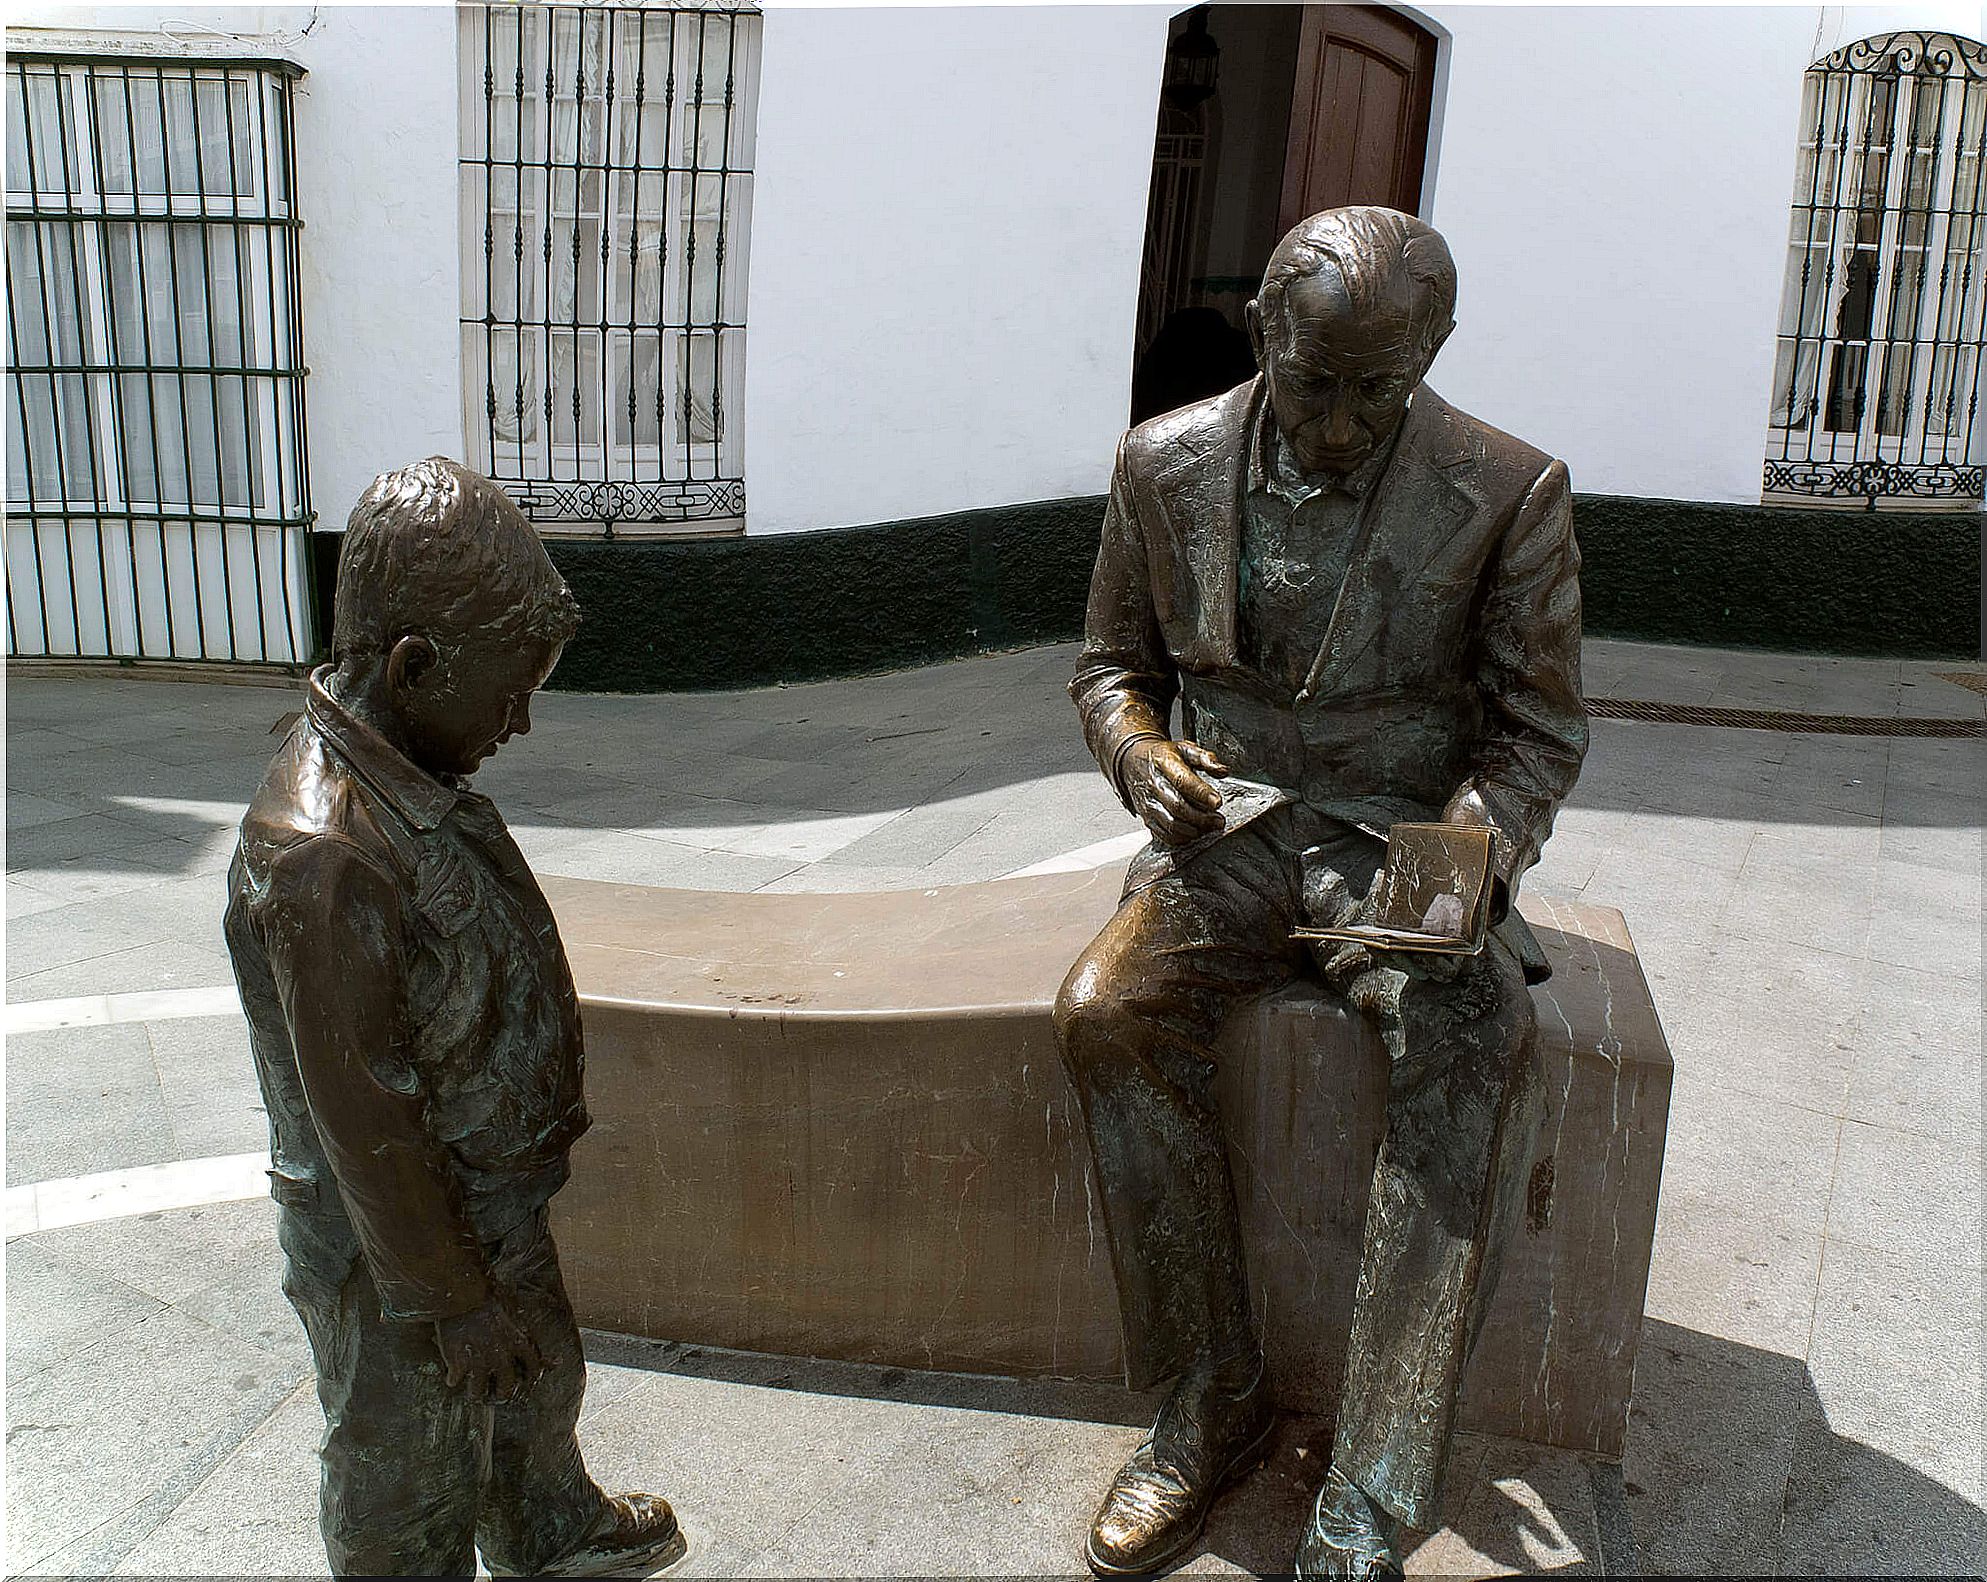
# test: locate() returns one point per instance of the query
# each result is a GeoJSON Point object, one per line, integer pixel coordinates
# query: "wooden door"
{"type": "Point", "coordinates": [1358, 112]}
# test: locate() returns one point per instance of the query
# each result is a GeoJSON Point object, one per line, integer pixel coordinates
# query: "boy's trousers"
{"type": "Point", "coordinates": [417, 1475]}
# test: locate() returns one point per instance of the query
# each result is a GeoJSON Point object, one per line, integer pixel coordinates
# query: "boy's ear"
{"type": "Point", "coordinates": [410, 663]}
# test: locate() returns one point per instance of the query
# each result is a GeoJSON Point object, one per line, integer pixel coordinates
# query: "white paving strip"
{"type": "Point", "coordinates": [1084, 858]}
{"type": "Point", "coordinates": [146, 1005]}
{"type": "Point", "coordinates": [143, 1189]}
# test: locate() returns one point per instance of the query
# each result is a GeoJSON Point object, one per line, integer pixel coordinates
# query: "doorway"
{"type": "Point", "coordinates": [1267, 113]}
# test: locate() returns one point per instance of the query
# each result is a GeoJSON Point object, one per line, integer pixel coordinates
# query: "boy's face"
{"type": "Point", "coordinates": [472, 699]}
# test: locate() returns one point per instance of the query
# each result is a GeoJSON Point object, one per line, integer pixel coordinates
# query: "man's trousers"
{"type": "Point", "coordinates": [417, 1475]}
{"type": "Point", "coordinates": [1138, 1016]}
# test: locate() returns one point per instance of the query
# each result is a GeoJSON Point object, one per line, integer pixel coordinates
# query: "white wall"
{"type": "Point", "coordinates": [944, 266]}
{"type": "Point", "coordinates": [1615, 184]}
{"type": "Point", "coordinates": [376, 175]}
{"type": "Point", "coordinates": [948, 214]}
{"type": "Point", "coordinates": [949, 211]}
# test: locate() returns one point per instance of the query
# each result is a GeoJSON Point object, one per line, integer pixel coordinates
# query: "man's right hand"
{"type": "Point", "coordinates": [487, 1352]}
{"type": "Point", "coordinates": [1165, 783]}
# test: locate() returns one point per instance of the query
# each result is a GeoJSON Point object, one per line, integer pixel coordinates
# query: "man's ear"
{"type": "Point", "coordinates": [1252, 316]}
{"type": "Point", "coordinates": [1435, 344]}
{"type": "Point", "coordinates": [410, 664]}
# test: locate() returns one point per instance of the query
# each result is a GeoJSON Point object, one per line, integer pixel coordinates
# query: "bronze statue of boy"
{"type": "Point", "coordinates": [1366, 605]}
{"type": "Point", "coordinates": [417, 1037]}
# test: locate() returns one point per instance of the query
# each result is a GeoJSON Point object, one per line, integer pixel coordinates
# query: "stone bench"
{"type": "Point", "coordinates": [837, 1126]}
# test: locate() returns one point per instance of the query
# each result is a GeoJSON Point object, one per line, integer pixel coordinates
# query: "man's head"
{"type": "Point", "coordinates": [449, 613]}
{"type": "Point", "coordinates": [1354, 305]}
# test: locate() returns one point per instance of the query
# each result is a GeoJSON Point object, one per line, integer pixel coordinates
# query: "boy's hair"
{"type": "Point", "coordinates": [437, 550]}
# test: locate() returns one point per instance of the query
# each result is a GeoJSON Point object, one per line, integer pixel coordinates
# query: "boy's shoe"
{"type": "Point", "coordinates": [637, 1536]}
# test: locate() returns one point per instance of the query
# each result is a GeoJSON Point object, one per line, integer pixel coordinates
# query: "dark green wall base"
{"type": "Point", "coordinates": [694, 615]}
{"type": "Point", "coordinates": [1904, 585]}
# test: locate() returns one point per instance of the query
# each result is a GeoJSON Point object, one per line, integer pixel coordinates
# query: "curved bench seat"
{"type": "Point", "coordinates": [837, 1126]}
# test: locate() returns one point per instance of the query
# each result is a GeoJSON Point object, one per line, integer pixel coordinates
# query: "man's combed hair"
{"type": "Point", "coordinates": [1370, 248]}
{"type": "Point", "coordinates": [437, 550]}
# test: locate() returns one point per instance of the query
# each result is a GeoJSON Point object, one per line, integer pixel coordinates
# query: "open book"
{"type": "Point", "coordinates": [1434, 892]}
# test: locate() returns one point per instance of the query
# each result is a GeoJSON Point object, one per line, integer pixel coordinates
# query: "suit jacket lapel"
{"type": "Point", "coordinates": [1414, 508]}
{"type": "Point", "coordinates": [1200, 493]}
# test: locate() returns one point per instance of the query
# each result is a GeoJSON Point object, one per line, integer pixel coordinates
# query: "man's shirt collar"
{"type": "Point", "coordinates": [410, 790]}
{"type": "Point", "coordinates": [1273, 465]}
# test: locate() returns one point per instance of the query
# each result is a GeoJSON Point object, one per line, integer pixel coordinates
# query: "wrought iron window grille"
{"type": "Point", "coordinates": [606, 170]}
{"type": "Point", "coordinates": [1876, 379]}
{"type": "Point", "coordinates": [158, 499]}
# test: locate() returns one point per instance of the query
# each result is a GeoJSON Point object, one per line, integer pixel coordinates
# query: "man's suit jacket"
{"type": "Point", "coordinates": [1452, 659]}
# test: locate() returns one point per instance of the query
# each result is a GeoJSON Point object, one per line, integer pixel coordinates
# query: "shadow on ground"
{"type": "Point", "coordinates": [1731, 1468]}
{"type": "Point", "coordinates": [147, 776]}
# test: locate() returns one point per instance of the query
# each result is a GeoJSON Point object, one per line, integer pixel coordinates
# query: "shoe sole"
{"type": "Point", "coordinates": [1251, 1458]}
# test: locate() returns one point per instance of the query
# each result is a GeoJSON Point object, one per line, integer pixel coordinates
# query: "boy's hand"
{"type": "Point", "coordinates": [1165, 782]}
{"type": "Point", "coordinates": [487, 1352]}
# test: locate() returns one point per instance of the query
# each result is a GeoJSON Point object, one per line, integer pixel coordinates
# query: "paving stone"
{"type": "Point", "coordinates": [112, 877]}
{"type": "Point", "coordinates": [1895, 1329]}
{"type": "Point", "coordinates": [1926, 918]}
{"type": "Point", "coordinates": [1787, 895]}
{"type": "Point", "coordinates": [132, 1423]}
{"type": "Point", "coordinates": [1711, 1441]}
{"type": "Point", "coordinates": [255, 1514]}
{"type": "Point", "coordinates": [207, 1077]}
{"type": "Point", "coordinates": [1929, 844]}
{"type": "Point", "coordinates": [1854, 1511]}
{"type": "Point", "coordinates": [794, 836]}
{"type": "Point", "coordinates": [917, 837]}
{"type": "Point", "coordinates": [1907, 1193]}
{"type": "Point", "coordinates": [638, 859]}
{"type": "Point", "coordinates": [958, 1493]}
{"type": "Point", "coordinates": [172, 1255]}
{"type": "Point", "coordinates": [55, 1310]}
{"type": "Point", "coordinates": [1915, 1045]}
{"type": "Point", "coordinates": [1762, 1017]}
{"type": "Point", "coordinates": [1665, 888]}
{"type": "Point", "coordinates": [840, 878]}
{"type": "Point", "coordinates": [1524, 1511]}
{"type": "Point", "coordinates": [52, 1138]}
{"type": "Point", "coordinates": [1720, 1265]}
{"type": "Point", "coordinates": [25, 810]}
{"type": "Point", "coordinates": [24, 900]}
{"type": "Point", "coordinates": [150, 964]}
{"type": "Point", "coordinates": [91, 835]}
{"type": "Point", "coordinates": [79, 1065]}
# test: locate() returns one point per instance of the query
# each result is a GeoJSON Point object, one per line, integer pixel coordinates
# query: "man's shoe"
{"type": "Point", "coordinates": [637, 1535]}
{"type": "Point", "coordinates": [1348, 1536]}
{"type": "Point", "coordinates": [1158, 1503]}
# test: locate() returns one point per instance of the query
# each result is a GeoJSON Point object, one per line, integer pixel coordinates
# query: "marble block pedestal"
{"type": "Point", "coordinates": [837, 1126]}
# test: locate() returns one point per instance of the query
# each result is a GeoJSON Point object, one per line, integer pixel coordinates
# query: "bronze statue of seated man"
{"type": "Point", "coordinates": [1365, 605]}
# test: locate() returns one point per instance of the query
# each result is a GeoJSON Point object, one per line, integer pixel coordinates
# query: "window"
{"type": "Point", "coordinates": [606, 193]}
{"type": "Point", "coordinates": [1876, 382]}
{"type": "Point", "coordinates": [157, 502]}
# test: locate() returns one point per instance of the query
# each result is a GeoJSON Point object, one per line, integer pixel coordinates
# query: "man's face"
{"type": "Point", "coordinates": [1339, 378]}
{"type": "Point", "coordinates": [471, 700]}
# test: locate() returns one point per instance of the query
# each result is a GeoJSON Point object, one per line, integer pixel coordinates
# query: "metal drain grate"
{"type": "Point", "coordinates": [1973, 681]}
{"type": "Point", "coordinates": [1779, 719]}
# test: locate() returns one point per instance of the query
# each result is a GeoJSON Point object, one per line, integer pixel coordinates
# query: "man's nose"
{"type": "Point", "coordinates": [521, 718]}
{"type": "Point", "coordinates": [1339, 426]}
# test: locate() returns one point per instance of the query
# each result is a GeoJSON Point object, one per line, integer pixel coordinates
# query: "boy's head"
{"type": "Point", "coordinates": [449, 613]}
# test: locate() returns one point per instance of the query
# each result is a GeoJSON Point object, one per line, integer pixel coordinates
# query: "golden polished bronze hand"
{"type": "Point", "coordinates": [1166, 784]}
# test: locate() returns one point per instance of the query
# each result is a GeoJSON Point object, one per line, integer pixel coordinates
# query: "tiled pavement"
{"type": "Point", "coordinates": [1808, 909]}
